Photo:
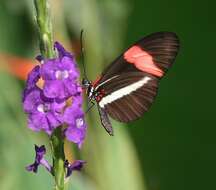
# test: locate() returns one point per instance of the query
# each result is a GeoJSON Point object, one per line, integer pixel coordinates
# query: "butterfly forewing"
{"type": "Point", "coordinates": [161, 46]}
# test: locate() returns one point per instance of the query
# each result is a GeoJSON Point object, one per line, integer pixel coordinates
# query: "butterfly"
{"type": "Point", "coordinates": [127, 88]}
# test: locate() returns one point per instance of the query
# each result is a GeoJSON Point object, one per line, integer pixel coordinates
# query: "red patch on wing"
{"type": "Point", "coordinates": [100, 95]}
{"type": "Point", "coordinates": [95, 83]}
{"type": "Point", "coordinates": [142, 61]}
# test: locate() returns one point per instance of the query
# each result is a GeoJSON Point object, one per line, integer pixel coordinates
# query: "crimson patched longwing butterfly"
{"type": "Point", "coordinates": [128, 86]}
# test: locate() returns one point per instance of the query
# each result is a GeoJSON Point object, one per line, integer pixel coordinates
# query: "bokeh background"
{"type": "Point", "coordinates": [172, 147]}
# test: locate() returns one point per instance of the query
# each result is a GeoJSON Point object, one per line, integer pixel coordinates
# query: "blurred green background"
{"type": "Point", "coordinates": [171, 147]}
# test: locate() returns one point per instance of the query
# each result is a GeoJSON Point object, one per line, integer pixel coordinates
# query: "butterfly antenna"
{"type": "Point", "coordinates": [82, 54]}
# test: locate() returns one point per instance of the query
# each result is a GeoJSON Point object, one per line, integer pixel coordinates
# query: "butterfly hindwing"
{"type": "Point", "coordinates": [129, 95]}
{"type": "Point", "coordinates": [105, 120]}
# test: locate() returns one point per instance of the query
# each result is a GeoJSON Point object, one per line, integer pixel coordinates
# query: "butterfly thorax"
{"type": "Point", "coordinates": [94, 94]}
{"type": "Point", "coordinates": [92, 91]}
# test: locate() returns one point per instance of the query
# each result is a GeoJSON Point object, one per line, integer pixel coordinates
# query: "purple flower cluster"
{"type": "Point", "coordinates": [59, 102]}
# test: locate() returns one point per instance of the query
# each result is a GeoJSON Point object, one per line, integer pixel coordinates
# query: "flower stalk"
{"type": "Point", "coordinates": [44, 23]}
{"type": "Point", "coordinates": [43, 19]}
{"type": "Point", "coordinates": [57, 146]}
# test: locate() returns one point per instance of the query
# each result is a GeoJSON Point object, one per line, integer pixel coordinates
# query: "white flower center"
{"type": "Point", "coordinates": [61, 74]}
{"type": "Point", "coordinates": [43, 108]}
{"type": "Point", "coordinates": [79, 122]}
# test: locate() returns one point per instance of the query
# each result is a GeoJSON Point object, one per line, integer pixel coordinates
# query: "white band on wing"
{"type": "Point", "coordinates": [101, 84]}
{"type": "Point", "coordinates": [123, 91]}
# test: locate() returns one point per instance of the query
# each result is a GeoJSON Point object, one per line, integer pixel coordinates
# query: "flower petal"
{"type": "Point", "coordinates": [33, 77]}
{"type": "Point", "coordinates": [39, 58]}
{"type": "Point", "coordinates": [54, 120]}
{"type": "Point", "coordinates": [48, 69]}
{"type": "Point", "coordinates": [77, 100]}
{"type": "Point", "coordinates": [70, 88]}
{"type": "Point", "coordinates": [39, 160]}
{"type": "Point", "coordinates": [31, 100]}
{"type": "Point", "coordinates": [69, 65]}
{"type": "Point", "coordinates": [46, 164]}
{"type": "Point", "coordinates": [77, 165]}
{"type": "Point", "coordinates": [73, 112]}
{"type": "Point", "coordinates": [61, 51]}
{"type": "Point", "coordinates": [38, 121]}
{"type": "Point", "coordinates": [53, 89]}
{"type": "Point", "coordinates": [75, 135]}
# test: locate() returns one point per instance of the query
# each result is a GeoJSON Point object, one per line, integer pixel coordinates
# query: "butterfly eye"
{"type": "Point", "coordinates": [85, 83]}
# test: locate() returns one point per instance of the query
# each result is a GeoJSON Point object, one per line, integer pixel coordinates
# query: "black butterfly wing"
{"type": "Point", "coordinates": [129, 95]}
{"type": "Point", "coordinates": [162, 46]}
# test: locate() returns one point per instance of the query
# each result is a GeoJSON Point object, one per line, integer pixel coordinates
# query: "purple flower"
{"type": "Point", "coordinates": [74, 117]}
{"type": "Point", "coordinates": [32, 79]}
{"type": "Point", "coordinates": [77, 165]}
{"type": "Point", "coordinates": [39, 160]}
{"type": "Point", "coordinates": [60, 75]}
{"type": "Point", "coordinates": [43, 113]}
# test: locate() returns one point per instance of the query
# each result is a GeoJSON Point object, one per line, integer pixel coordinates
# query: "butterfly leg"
{"type": "Point", "coordinates": [90, 106]}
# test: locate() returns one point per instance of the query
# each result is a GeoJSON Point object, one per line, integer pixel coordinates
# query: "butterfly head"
{"type": "Point", "coordinates": [86, 83]}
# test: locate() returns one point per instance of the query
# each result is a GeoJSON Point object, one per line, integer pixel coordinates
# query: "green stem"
{"type": "Point", "coordinates": [43, 19]}
{"type": "Point", "coordinates": [57, 145]}
{"type": "Point", "coordinates": [46, 47]}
